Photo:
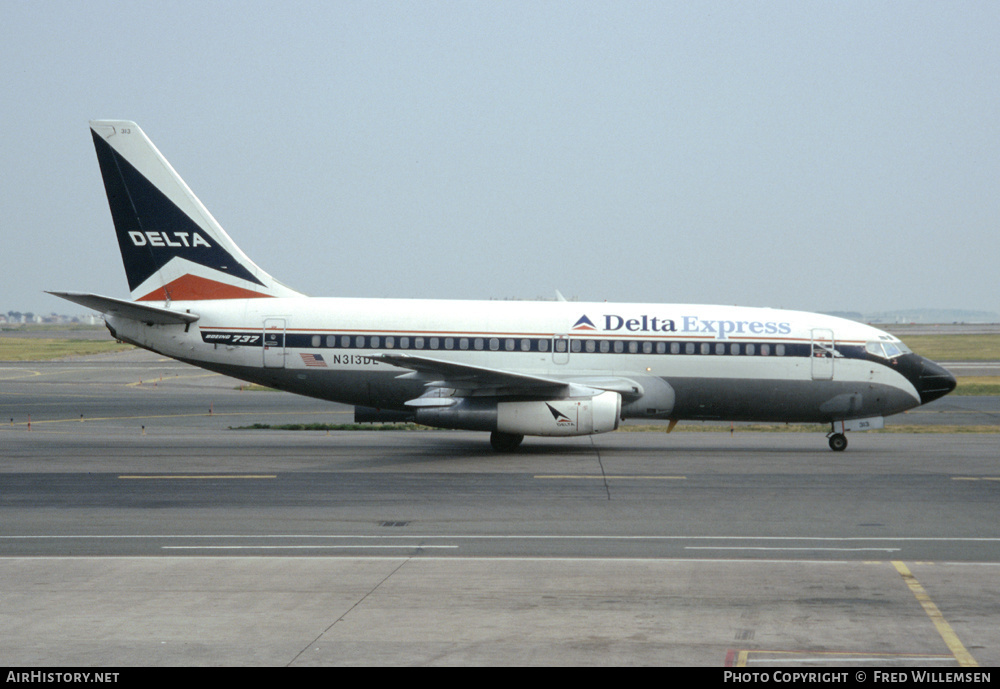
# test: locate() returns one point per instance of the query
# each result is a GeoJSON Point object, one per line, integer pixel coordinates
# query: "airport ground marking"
{"type": "Point", "coordinates": [790, 548]}
{"type": "Point", "coordinates": [179, 477]}
{"type": "Point", "coordinates": [410, 546]}
{"type": "Point", "coordinates": [152, 381]}
{"type": "Point", "coordinates": [183, 416]}
{"type": "Point", "coordinates": [537, 537]}
{"type": "Point", "coordinates": [742, 657]}
{"type": "Point", "coordinates": [611, 477]}
{"type": "Point", "coordinates": [951, 640]}
{"type": "Point", "coordinates": [21, 373]}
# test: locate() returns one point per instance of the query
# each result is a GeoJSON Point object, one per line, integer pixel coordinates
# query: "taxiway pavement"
{"type": "Point", "coordinates": [138, 528]}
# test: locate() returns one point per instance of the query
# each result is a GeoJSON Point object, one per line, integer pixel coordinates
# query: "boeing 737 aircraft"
{"type": "Point", "coordinates": [510, 368]}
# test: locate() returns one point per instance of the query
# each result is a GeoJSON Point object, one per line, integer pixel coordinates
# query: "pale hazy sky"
{"type": "Point", "coordinates": [812, 155]}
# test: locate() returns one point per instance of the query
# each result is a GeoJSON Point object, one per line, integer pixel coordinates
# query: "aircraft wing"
{"type": "Point", "coordinates": [468, 380]}
{"type": "Point", "coordinates": [144, 313]}
{"type": "Point", "coordinates": [448, 374]}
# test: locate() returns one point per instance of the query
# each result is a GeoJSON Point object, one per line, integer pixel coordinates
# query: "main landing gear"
{"type": "Point", "coordinates": [505, 442]}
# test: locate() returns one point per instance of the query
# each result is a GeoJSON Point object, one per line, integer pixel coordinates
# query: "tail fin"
{"type": "Point", "coordinates": [172, 247]}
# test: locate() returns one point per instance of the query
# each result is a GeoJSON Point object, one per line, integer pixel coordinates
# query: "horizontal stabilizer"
{"type": "Point", "coordinates": [128, 309]}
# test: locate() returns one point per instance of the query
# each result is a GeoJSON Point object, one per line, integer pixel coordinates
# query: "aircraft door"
{"type": "Point", "coordinates": [274, 343]}
{"type": "Point", "coordinates": [823, 354]}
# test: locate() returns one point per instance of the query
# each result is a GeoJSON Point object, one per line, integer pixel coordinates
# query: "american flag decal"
{"type": "Point", "coordinates": [313, 360]}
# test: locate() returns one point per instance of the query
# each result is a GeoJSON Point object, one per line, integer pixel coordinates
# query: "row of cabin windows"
{"type": "Point", "coordinates": [495, 344]}
{"type": "Point", "coordinates": [525, 344]}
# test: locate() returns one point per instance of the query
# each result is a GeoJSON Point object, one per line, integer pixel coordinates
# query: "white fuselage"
{"type": "Point", "coordinates": [717, 362]}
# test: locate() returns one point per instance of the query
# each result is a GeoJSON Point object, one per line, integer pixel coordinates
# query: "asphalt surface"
{"type": "Point", "coordinates": [137, 527]}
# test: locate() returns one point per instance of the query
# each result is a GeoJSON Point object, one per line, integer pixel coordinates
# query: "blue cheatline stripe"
{"type": "Point", "coordinates": [423, 343]}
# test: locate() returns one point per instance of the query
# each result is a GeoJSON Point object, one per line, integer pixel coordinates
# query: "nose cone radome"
{"type": "Point", "coordinates": [933, 381]}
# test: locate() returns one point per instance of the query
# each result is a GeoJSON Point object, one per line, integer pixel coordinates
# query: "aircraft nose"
{"type": "Point", "coordinates": [934, 381]}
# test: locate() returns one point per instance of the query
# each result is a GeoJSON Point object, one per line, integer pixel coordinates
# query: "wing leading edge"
{"type": "Point", "coordinates": [479, 381]}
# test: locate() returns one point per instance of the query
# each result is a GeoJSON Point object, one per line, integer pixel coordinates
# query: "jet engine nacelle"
{"type": "Point", "coordinates": [573, 416]}
{"type": "Point", "coordinates": [599, 413]}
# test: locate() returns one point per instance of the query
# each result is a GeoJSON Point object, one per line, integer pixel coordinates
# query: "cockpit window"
{"type": "Point", "coordinates": [875, 348]}
{"type": "Point", "coordinates": [891, 349]}
{"type": "Point", "coordinates": [887, 350]}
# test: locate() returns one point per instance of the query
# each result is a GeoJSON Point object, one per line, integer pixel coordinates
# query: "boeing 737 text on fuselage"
{"type": "Point", "coordinates": [508, 368]}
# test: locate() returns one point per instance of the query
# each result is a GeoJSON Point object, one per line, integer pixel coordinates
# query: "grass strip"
{"type": "Point", "coordinates": [44, 349]}
{"type": "Point", "coordinates": [955, 347]}
{"type": "Point", "coordinates": [332, 427]}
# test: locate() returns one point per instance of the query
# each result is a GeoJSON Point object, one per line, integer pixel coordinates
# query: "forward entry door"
{"type": "Point", "coordinates": [823, 354]}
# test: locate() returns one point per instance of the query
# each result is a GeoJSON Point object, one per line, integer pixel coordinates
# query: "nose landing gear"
{"type": "Point", "coordinates": [838, 442]}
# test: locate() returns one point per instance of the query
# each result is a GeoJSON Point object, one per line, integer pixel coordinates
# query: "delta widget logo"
{"type": "Point", "coordinates": [560, 418]}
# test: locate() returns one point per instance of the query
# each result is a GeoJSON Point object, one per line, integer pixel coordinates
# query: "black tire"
{"type": "Point", "coordinates": [505, 442]}
{"type": "Point", "coordinates": [838, 442]}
